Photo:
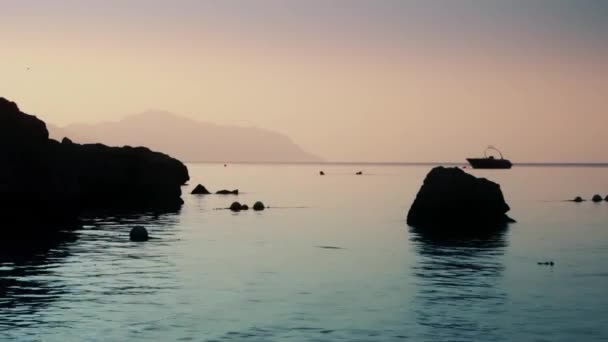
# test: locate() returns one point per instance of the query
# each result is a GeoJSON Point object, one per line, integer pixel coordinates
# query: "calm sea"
{"type": "Point", "coordinates": [332, 260]}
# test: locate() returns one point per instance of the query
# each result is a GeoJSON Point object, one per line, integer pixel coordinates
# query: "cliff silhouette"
{"type": "Point", "coordinates": [43, 181]}
{"type": "Point", "coordinates": [190, 140]}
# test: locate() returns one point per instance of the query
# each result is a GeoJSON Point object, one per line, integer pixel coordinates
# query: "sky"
{"type": "Point", "coordinates": [348, 80]}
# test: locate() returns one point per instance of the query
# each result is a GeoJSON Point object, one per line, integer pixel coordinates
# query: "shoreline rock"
{"type": "Point", "coordinates": [45, 181]}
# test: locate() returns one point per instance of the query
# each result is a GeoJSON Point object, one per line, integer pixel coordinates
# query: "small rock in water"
{"type": "Point", "coordinates": [258, 206]}
{"type": "Point", "coordinates": [322, 173]}
{"type": "Point", "coordinates": [578, 199]}
{"type": "Point", "coordinates": [546, 263]}
{"type": "Point", "coordinates": [597, 198]}
{"type": "Point", "coordinates": [606, 199]}
{"type": "Point", "coordinates": [236, 206]}
{"type": "Point", "coordinates": [200, 190]}
{"type": "Point", "coordinates": [244, 207]}
{"type": "Point", "coordinates": [228, 192]}
{"type": "Point", "coordinates": [359, 173]}
{"type": "Point", "coordinates": [138, 234]}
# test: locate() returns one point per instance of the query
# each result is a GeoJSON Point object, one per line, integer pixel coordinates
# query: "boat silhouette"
{"type": "Point", "coordinates": [489, 161]}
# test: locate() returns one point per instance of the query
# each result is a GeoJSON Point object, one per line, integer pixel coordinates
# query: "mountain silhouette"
{"type": "Point", "coordinates": [188, 139]}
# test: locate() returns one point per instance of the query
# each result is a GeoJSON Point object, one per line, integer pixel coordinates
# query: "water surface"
{"type": "Point", "coordinates": [332, 260]}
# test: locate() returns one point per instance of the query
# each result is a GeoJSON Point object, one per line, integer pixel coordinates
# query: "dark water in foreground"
{"type": "Point", "coordinates": [345, 268]}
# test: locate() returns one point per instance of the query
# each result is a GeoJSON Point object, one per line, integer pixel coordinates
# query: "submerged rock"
{"type": "Point", "coordinates": [43, 180]}
{"type": "Point", "coordinates": [452, 199]}
{"type": "Point", "coordinates": [258, 206]}
{"type": "Point", "coordinates": [228, 192]}
{"type": "Point", "coordinates": [200, 190]}
{"type": "Point", "coordinates": [139, 234]}
{"type": "Point", "coordinates": [597, 198]}
{"type": "Point", "coordinates": [236, 206]}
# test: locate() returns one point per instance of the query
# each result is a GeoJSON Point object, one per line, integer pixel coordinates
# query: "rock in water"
{"type": "Point", "coordinates": [597, 198]}
{"type": "Point", "coordinates": [258, 206]}
{"type": "Point", "coordinates": [138, 234]}
{"type": "Point", "coordinates": [236, 206]}
{"type": "Point", "coordinates": [578, 199]}
{"type": "Point", "coordinates": [43, 180]}
{"type": "Point", "coordinates": [244, 207]}
{"type": "Point", "coordinates": [228, 192]}
{"type": "Point", "coordinates": [453, 199]}
{"type": "Point", "coordinates": [200, 190]}
{"type": "Point", "coordinates": [322, 173]}
{"type": "Point", "coordinates": [606, 199]}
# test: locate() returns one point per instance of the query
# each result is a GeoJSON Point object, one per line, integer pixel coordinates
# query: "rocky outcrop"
{"type": "Point", "coordinates": [47, 181]}
{"type": "Point", "coordinates": [451, 199]}
{"type": "Point", "coordinates": [228, 192]}
{"type": "Point", "coordinates": [236, 206]}
{"type": "Point", "coordinates": [258, 206]}
{"type": "Point", "coordinates": [597, 198]}
{"type": "Point", "coordinates": [200, 190]}
{"type": "Point", "coordinates": [578, 199]}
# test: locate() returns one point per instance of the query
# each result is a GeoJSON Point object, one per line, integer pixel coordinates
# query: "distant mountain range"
{"type": "Point", "coordinates": [188, 139]}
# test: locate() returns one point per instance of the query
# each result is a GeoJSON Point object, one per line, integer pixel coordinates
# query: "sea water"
{"type": "Point", "coordinates": [332, 259]}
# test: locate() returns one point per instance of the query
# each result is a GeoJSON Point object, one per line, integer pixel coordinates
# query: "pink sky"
{"type": "Point", "coordinates": [347, 80]}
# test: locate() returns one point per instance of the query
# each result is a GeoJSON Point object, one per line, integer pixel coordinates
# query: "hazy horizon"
{"type": "Point", "coordinates": [355, 80]}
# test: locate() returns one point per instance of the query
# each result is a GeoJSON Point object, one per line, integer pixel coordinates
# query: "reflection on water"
{"type": "Point", "coordinates": [96, 265]}
{"type": "Point", "coordinates": [458, 282]}
{"type": "Point", "coordinates": [25, 268]}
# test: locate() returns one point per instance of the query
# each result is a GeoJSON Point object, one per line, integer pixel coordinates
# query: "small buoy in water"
{"type": "Point", "coordinates": [322, 173]}
{"type": "Point", "coordinates": [258, 206]}
{"type": "Point", "coordinates": [139, 234]}
{"type": "Point", "coordinates": [236, 206]}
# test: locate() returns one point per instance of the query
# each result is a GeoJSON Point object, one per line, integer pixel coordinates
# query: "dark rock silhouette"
{"type": "Point", "coordinates": [359, 173]}
{"type": "Point", "coordinates": [546, 263]}
{"type": "Point", "coordinates": [258, 206]}
{"type": "Point", "coordinates": [228, 192]}
{"type": "Point", "coordinates": [578, 199]}
{"type": "Point", "coordinates": [244, 207]}
{"type": "Point", "coordinates": [597, 198]}
{"type": "Point", "coordinates": [322, 173]}
{"type": "Point", "coordinates": [606, 199]}
{"type": "Point", "coordinates": [200, 190]}
{"type": "Point", "coordinates": [453, 199]}
{"type": "Point", "coordinates": [42, 180]}
{"type": "Point", "coordinates": [236, 206]}
{"type": "Point", "coordinates": [139, 234]}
